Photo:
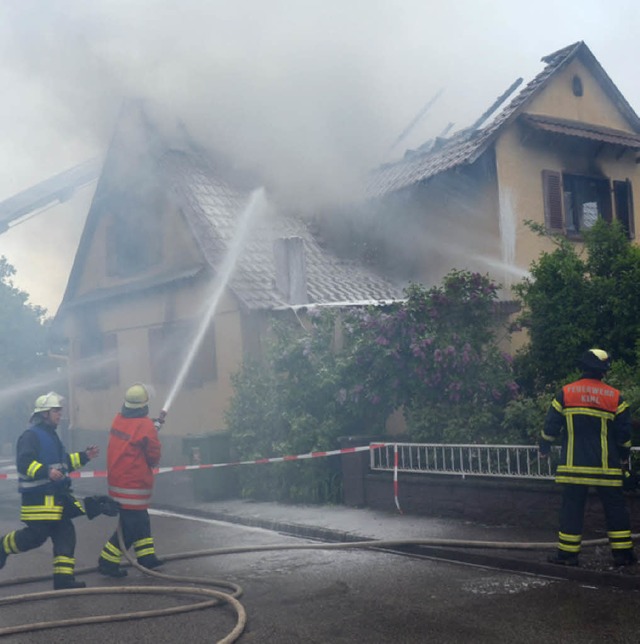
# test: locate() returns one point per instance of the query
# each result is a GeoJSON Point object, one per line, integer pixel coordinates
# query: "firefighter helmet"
{"type": "Point", "coordinates": [49, 401]}
{"type": "Point", "coordinates": [137, 396]}
{"type": "Point", "coordinates": [595, 360]}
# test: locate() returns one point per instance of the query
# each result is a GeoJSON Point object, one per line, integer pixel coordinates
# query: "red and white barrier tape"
{"type": "Point", "coordinates": [186, 468]}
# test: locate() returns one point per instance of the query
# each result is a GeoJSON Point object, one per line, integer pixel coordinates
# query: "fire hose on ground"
{"type": "Point", "coordinates": [211, 597]}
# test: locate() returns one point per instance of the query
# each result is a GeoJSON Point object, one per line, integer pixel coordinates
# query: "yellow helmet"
{"type": "Point", "coordinates": [49, 401]}
{"type": "Point", "coordinates": [137, 396]}
{"type": "Point", "coordinates": [596, 360]}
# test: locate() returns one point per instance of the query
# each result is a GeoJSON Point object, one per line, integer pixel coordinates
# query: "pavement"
{"type": "Point", "coordinates": [338, 523]}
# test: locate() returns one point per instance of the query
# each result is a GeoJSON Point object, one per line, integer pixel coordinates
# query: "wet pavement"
{"type": "Point", "coordinates": [336, 523]}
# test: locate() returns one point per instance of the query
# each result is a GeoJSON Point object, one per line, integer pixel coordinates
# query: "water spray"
{"type": "Point", "coordinates": [257, 203]}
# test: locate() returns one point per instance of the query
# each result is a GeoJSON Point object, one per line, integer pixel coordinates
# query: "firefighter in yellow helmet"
{"type": "Point", "coordinates": [48, 505]}
{"type": "Point", "coordinates": [134, 450]}
{"type": "Point", "coordinates": [592, 422]}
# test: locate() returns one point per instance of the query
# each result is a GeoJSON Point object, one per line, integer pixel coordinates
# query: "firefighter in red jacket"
{"type": "Point", "coordinates": [134, 450]}
{"type": "Point", "coordinates": [48, 505]}
{"type": "Point", "coordinates": [593, 424]}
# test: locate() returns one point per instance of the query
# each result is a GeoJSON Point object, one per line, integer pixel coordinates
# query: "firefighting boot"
{"type": "Point", "coordinates": [110, 569]}
{"type": "Point", "coordinates": [562, 558]}
{"type": "Point", "coordinates": [109, 561]}
{"type": "Point", "coordinates": [150, 561]}
{"type": "Point", "coordinates": [146, 553]}
{"type": "Point", "coordinates": [624, 557]}
{"type": "Point", "coordinates": [63, 569]}
{"type": "Point", "coordinates": [66, 582]}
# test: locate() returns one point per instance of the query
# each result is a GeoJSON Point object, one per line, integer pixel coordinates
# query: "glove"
{"type": "Point", "coordinates": [100, 504]}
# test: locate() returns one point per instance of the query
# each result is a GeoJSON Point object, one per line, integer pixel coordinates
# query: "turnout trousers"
{"type": "Point", "coordinates": [62, 534]}
{"type": "Point", "coordinates": [574, 498]}
{"type": "Point", "coordinates": [136, 531]}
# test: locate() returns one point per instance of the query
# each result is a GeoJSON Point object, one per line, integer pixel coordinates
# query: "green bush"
{"type": "Point", "coordinates": [433, 355]}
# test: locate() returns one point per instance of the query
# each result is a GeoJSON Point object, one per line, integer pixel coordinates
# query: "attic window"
{"type": "Point", "coordinates": [576, 86]}
{"type": "Point", "coordinates": [134, 236]}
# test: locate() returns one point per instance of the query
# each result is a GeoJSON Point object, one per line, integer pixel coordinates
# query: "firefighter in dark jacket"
{"type": "Point", "coordinates": [134, 450]}
{"type": "Point", "coordinates": [593, 424]}
{"type": "Point", "coordinates": [48, 505]}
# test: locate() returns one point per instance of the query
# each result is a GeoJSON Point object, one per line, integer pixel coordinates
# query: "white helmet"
{"type": "Point", "coordinates": [137, 396]}
{"type": "Point", "coordinates": [47, 402]}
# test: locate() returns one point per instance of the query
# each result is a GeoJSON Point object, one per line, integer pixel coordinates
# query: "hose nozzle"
{"type": "Point", "coordinates": [159, 421]}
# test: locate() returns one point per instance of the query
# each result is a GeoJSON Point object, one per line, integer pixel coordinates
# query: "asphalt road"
{"type": "Point", "coordinates": [317, 596]}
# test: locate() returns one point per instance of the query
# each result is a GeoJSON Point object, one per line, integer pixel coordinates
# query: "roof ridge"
{"type": "Point", "coordinates": [565, 52]}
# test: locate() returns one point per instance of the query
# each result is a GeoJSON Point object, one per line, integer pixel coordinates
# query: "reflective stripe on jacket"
{"type": "Point", "coordinates": [134, 450]}
{"type": "Point", "coordinates": [38, 449]}
{"type": "Point", "coordinates": [594, 425]}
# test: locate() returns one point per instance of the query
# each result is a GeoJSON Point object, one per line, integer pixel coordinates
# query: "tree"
{"type": "Point", "coordinates": [23, 356]}
{"type": "Point", "coordinates": [576, 301]}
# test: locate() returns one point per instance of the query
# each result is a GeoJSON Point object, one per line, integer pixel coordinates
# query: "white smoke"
{"type": "Point", "coordinates": [308, 94]}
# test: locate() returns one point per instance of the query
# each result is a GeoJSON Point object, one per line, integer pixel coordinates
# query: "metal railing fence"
{"type": "Point", "coordinates": [512, 461]}
{"type": "Point", "coordinates": [504, 461]}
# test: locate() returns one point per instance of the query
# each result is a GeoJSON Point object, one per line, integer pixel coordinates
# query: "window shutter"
{"type": "Point", "coordinates": [552, 192]}
{"type": "Point", "coordinates": [632, 219]}
{"type": "Point", "coordinates": [624, 206]}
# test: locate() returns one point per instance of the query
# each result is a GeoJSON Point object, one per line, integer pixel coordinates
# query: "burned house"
{"type": "Point", "coordinates": [561, 152]}
{"type": "Point", "coordinates": [163, 225]}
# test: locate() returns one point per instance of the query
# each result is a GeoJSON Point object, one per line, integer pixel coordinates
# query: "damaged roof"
{"type": "Point", "coordinates": [212, 208]}
{"type": "Point", "coordinates": [466, 146]}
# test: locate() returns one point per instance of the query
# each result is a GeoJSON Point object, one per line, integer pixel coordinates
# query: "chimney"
{"type": "Point", "coordinates": [291, 274]}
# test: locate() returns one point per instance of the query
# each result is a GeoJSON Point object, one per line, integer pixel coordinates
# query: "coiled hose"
{"type": "Point", "coordinates": [217, 597]}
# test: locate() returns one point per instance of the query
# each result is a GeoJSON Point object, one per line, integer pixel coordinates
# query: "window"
{"type": "Point", "coordinates": [134, 236]}
{"type": "Point", "coordinates": [573, 203]}
{"type": "Point", "coordinates": [97, 367]}
{"type": "Point", "coordinates": [169, 346]}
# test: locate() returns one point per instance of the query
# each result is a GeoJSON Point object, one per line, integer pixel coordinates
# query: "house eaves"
{"type": "Point", "coordinates": [466, 146]}
{"type": "Point", "coordinates": [576, 129]}
{"type": "Point", "coordinates": [140, 286]}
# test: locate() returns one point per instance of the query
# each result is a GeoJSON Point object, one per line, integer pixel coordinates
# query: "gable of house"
{"type": "Point", "coordinates": [466, 197]}
{"type": "Point", "coordinates": [131, 312]}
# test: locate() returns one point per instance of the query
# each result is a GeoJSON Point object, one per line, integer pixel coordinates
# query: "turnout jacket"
{"type": "Point", "coordinates": [134, 450]}
{"type": "Point", "coordinates": [593, 424]}
{"type": "Point", "coordinates": [39, 448]}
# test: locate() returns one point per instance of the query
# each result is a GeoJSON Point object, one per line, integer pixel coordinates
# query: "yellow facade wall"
{"type": "Point", "coordinates": [520, 161]}
{"type": "Point", "coordinates": [129, 316]}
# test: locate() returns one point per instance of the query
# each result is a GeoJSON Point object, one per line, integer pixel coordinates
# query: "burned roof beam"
{"type": "Point", "coordinates": [496, 104]}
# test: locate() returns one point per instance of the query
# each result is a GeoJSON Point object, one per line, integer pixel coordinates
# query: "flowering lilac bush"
{"type": "Point", "coordinates": [433, 355]}
{"type": "Point", "coordinates": [436, 357]}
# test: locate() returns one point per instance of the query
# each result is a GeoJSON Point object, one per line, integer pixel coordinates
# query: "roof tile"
{"type": "Point", "coordinates": [212, 207]}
